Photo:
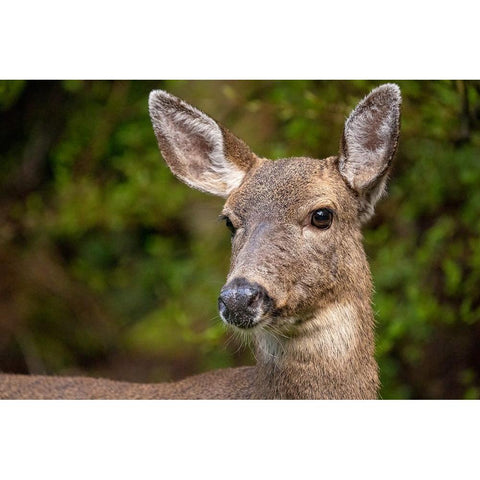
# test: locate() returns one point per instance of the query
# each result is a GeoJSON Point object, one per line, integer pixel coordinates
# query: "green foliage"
{"type": "Point", "coordinates": [110, 266]}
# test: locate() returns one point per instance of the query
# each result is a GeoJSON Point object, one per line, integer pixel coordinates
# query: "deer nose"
{"type": "Point", "coordinates": [242, 303]}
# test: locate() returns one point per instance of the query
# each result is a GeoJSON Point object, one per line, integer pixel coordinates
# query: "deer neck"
{"type": "Point", "coordinates": [329, 355]}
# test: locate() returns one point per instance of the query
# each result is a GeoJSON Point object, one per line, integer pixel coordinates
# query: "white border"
{"type": "Point", "coordinates": [239, 439]}
{"type": "Point", "coordinates": [248, 40]}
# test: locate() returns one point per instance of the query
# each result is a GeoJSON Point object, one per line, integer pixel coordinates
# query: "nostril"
{"type": "Point", "coordinates": [253, 298]}
{"type": "Point", "coordinates": [221, 303]}
{"type": "Point", "coordinates": [227, 298]}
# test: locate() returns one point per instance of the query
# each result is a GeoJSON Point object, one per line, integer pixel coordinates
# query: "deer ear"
{"type": "Point", "coordinates": [369, 142]}
{"type": "Point", "coordinates": [198, 150]}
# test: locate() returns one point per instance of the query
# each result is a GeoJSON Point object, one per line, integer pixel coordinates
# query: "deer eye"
{"type": "Point", "coordinates": [230, 226]}
{"type": "Point", "coordinates": [322, 218]}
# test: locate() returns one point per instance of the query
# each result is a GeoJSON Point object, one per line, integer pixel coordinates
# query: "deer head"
{"type": "Point", "coordinates": [295, 222]}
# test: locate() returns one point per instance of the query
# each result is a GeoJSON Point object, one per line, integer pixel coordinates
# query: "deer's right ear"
{"type": "Point", "coordinates": [369, 142]}
{"type": "Point", "coordinates": [198, 150]}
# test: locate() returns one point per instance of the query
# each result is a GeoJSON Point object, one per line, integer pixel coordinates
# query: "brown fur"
{"type": "Point", "coordinates": [318, 339]}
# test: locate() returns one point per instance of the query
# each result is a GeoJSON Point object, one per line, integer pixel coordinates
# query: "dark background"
{"type": "Point", "coordinates": [111, 267]}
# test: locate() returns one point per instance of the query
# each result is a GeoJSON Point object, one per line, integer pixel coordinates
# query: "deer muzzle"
{"type": "Point", "coordinates": [243, 303]}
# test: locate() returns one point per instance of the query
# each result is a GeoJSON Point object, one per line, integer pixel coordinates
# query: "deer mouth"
{"type": "Point", "coordinates": [243, 304]}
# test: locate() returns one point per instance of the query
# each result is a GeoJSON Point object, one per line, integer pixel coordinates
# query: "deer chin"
{"type": "Point", "coordinates": [268, 323]}
{"type": "Point", "coordinates": [244, 323]}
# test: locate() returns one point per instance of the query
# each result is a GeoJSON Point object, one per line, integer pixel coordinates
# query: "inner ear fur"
{"type": "Point", "coordinates": [369, 142]}
{"type": "Point", "coordinates": [198, 150]}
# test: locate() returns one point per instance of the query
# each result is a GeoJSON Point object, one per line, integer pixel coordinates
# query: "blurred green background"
{"type": "Point", "coordinates": [111, 267]}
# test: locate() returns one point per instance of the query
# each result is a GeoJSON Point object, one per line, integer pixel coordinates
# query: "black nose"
{"type": "Point", "coordinates": [242, 303]}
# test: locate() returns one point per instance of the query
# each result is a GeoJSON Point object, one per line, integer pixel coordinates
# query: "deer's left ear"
{"type": "Point", "coordinates": [369, 143]}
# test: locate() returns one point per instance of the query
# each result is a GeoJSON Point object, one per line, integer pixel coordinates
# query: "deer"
{"type": "Point", "coordinates": [299, 284]}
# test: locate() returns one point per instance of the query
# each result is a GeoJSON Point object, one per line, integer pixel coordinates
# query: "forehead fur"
{"type": "Point", "coordinates": [284, 186]}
